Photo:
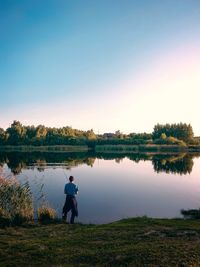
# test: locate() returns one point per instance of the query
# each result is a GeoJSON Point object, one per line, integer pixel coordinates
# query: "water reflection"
{"type": "Point", "coordinates": [170, 163]}
{"type": "Point", "coordinates": [181, 164]}
{"type": "Point", "coordinates": [16, 161]}
{"type": "Point", "coordinates": [112, 186]}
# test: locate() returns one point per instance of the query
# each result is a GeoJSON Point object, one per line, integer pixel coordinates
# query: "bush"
{"type": "Point", "coordinates": [46, 214]}
{"type": "Point", "coordinates": [169, 141]}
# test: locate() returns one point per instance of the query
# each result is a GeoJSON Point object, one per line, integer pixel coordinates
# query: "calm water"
{"type": "Point", "coordinates": [111, 187]}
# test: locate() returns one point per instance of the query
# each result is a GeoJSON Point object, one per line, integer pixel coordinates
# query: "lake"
{"type": "Point", "coordinates": [111, 186]}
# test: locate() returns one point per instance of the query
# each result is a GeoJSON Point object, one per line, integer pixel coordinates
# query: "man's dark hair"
{"type": "Point", "coordinates": [71, 178]}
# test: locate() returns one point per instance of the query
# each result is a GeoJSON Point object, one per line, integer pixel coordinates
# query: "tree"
{"type": "Point", "coordinates": [90, 134]}
{"type": "Point", "coordinates": [16, 133]}
{"type": "Point", "coordinates": [181, 131]}
{"type": "Point", "coordinates": [3, 136]}
{"type": "Point", "coordinates": [41, 131]}
{"type": "Point", "coordinates": [119, 134]}
{"type": "Point", "coordinates": [30, 134]}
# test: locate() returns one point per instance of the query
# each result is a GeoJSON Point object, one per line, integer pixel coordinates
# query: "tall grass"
{"type": "Point", "coordinates": [46, 214]}
{"type": "Point", "coordinates": [16, 204]}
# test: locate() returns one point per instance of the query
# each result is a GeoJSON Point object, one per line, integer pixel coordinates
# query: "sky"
{"type": "Point", "coordinates": [105, 65]}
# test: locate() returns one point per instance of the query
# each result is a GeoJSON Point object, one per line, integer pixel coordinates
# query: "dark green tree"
{"type": "Point", "coordinates": [16, 133]}
{"type": "Point", "coordinates": [181, 131]}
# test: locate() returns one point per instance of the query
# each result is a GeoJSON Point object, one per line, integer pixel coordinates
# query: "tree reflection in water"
{"type": "Point", "coordinates": [170, 163]}
{"type": "Point", "coordinates": [181, 163]}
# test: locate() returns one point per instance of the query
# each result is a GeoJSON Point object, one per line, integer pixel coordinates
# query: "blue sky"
{"type": "Point", "coordinates": [105, 65]}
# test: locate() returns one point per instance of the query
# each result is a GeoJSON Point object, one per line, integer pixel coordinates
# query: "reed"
{"type": "Point", "coordinates": [15, 201]}
{"type": "Point", "coordinates": [46, 214]}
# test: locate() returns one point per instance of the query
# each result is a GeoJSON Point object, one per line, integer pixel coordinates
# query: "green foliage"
{"type": "Point", "coordinates": [18, 134]}
{"type": "Point", "coordinates": [164, 140]}
{"type": "Point", "coordinates": [140, 136]}
{"type": "Point", "coordinates": [181, 131]}
{"type": "Point", "coordinates": [3, 137]}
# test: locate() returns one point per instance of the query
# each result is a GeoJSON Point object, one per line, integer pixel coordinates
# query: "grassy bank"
{"type": "Point", "coordinates": [141, 148]}
{"type": "Point", "coordinates": [145, 148]}
{"type": "Point", "coordinates": [130, 242]}
{"type": "Point", "coordinates": [117, 148]}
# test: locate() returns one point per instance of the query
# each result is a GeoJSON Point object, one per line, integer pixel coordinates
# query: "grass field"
{"type": "Point", "coordinates": [130, 242]}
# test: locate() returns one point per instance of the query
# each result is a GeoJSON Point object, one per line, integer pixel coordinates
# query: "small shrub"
{"type": "Point", "coordinates": [46, 214]}
{"type": "Point", "coordinates": [169, 141]}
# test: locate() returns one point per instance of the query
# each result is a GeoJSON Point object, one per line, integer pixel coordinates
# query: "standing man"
{"type": "Point", "coordinates": [70, 203]}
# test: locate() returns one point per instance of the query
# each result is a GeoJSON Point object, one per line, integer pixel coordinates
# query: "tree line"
{"type": "Point", "coordinates": [18, 134]}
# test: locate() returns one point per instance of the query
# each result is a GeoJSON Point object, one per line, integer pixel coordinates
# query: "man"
{"type": "Point", "coordinates": [70, 203]}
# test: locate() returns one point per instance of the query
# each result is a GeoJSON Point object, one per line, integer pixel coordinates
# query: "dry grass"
{"type": "Point", "coordinates": [46, 214]}
{"type": "Point", "coordinates": [15, 201]}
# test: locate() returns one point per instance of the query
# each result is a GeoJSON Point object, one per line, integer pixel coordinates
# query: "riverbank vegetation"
{"type": "Point", "coordinates": [180, 134]}
{"type": "Point", "coordinates": [130, 242]}
{"type": "Point", "coordinates": [17, 204]}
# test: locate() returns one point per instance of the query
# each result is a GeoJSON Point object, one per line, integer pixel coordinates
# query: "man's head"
{"type": "Point", "coordinates": [71, 178]}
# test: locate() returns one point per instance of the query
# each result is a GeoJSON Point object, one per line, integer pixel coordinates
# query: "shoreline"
{"type": "Point", "coordinates": [102, 148]}
{"type": "Point", "coordinates": [53, 148]}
